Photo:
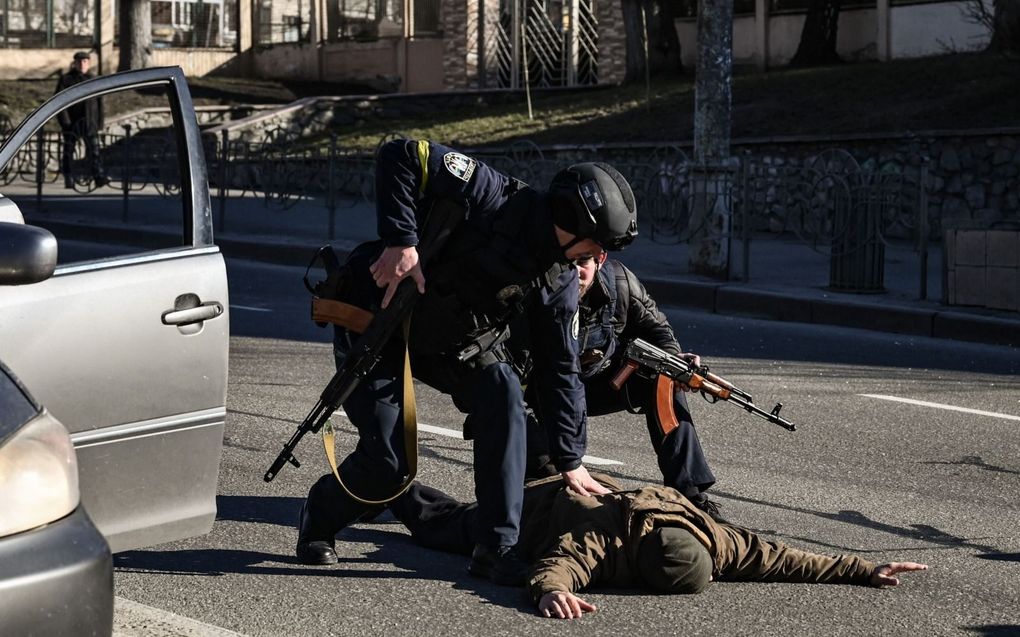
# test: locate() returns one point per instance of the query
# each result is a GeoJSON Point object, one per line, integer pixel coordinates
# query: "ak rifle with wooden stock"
{"type": "Point", "coordinates": [671, 369]}
{"type": "Point", "coordinates": [442, 219]}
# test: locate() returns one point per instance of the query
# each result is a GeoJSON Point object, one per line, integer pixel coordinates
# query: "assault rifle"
{"type": "Point", "coordinates": [640, 354]}
{"type": "Point", "coordinates": [441, 221]}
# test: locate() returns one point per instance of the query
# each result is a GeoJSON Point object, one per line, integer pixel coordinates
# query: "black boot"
{"type": "Point", "coordinates": [326, 511]}
{"type": "Point", "coordinates": [309, 549]}
{"type": "Point", "coordinates": [500, 564]}
{"type": "Point", "coordinates": [711, 507]}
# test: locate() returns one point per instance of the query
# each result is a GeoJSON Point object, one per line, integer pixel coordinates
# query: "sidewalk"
{"type": "Point", "coordinates": [787, 279]}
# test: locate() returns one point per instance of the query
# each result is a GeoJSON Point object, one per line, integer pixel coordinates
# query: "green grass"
{"type": "Point", "coordinates": [948, 92]}
{"type": "Point", "coordinates": [959, 91]}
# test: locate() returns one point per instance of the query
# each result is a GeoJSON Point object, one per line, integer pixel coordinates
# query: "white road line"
{"type": "Point", "coordinates": [923, 403]}
{"type": "Point", "coordinates": [250, 308]}
{"type": "Point", "coordinates": [453, 433]}
{"type": "Point", "coordinates": [600, 462]}
{"type": "Point", "coordinates": [131, 619]}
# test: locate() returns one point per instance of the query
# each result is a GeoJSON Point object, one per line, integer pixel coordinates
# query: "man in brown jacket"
{"type": "Point", "coordinates": [651, 537]}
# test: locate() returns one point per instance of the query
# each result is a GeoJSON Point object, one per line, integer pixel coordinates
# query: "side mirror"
{"type": "Point", "coordinates": [27, 254]}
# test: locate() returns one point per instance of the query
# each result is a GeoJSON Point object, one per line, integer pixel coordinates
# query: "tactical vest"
{"type": "Point", "coordinates": [597, 336]}
{"type": "Point", "coordinates": [478, 281]}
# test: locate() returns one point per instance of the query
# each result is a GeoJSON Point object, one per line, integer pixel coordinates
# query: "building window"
{"type": "Point", "coordinates": [426, 17]}
{"type": "Point", "coordinates": [36, 24]}
{"type": "Point", "coordinates": [188, 23]}
{"type": "Point", "coordinates": [365, 19]}
{"type": "Point", "coordinates": [281, 21]}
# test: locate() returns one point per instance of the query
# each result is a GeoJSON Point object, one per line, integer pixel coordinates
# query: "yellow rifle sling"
{"type": "Point", "coordinates": [410, 435]}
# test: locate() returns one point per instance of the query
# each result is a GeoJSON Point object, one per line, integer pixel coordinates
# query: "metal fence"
{"type": "Point", "coordinates": [827, 202]}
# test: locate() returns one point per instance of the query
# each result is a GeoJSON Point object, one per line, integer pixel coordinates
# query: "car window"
{"type": "Point", "coordinates": [16, 407]}
{"type": "Point", "coordinates": [101, 170]}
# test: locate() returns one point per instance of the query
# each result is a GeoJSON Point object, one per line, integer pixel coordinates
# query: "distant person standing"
{"type": "Point", "coordinates": [82, 121]}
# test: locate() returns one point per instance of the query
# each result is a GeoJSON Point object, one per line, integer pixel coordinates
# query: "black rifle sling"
{"type": "Point", "coordinates": [442, 220]}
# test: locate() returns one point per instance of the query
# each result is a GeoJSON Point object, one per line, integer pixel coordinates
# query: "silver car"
{"type": "Point", "coordinates": [113, 382]}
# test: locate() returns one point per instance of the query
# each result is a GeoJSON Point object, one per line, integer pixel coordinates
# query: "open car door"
{"type": "Point", "coordinates": [126, 346]}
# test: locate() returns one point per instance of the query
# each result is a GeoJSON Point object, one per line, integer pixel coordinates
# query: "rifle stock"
{"type": "Point", "coordinates": [644, 355]}
{"type": "Point", "coordinates": [440, 223]}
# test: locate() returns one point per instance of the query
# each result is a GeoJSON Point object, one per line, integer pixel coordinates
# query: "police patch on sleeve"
{"type": "Point", "coordinates": [460, 166]}
{"type": "Point", "coordinates": [575, 324]}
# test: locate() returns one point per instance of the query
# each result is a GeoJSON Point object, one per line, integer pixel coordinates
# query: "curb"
{"type": "Point", "coordinates": [282, 252]}
{"type": "Point", "coordinates": [717, 298]}
{"type": "Point", "coordinates": [737, 300]}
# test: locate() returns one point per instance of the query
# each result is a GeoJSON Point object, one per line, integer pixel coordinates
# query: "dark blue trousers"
{"type": "Point", "coordinates": [680, 456]}
{"type": "Point", "coordinates": [493, 399]}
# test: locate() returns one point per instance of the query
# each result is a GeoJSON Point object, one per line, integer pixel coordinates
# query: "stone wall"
{"type": "Point", "coordinates": [455, 17]}
{"type": "Point", "coordinates": [612, 41]}
{"type": "Point", "coordinates": [160, 117]}
{"type": "Point", "coordinates": [973, 176]}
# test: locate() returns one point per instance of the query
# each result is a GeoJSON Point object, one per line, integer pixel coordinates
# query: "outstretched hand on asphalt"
{"type": "Point", "coordinates": [885, 574]}
{"type": "Point", "coordinates": [563, 605]}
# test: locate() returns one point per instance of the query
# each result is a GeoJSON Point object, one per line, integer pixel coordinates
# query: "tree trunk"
{"type": "Point", "coordinates": [664, 49]}
{"type": "Point", "coordinates": [713, 81]}
{"type": "Point", "coordinates": [663, 43]}
{"type": "Point", "coordinates": [135, 31]}
{"type": "Point", "coordinates": [711, 202]}
{"type": "Point", "coordinates": [634, 32]}
{"type": "Point", "coordinates": [818, 38]}
{"type": "Point", "coordinates": [1006, 27]}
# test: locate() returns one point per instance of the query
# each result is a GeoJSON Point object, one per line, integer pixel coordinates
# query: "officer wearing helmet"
{"type": "Point", "coordinates": [509, 262]}
{"type": "Point", "coordinates": [615, 308]}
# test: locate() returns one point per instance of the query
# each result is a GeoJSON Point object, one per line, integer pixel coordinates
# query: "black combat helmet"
{"type": "Point", "coordinates": [594, 201]}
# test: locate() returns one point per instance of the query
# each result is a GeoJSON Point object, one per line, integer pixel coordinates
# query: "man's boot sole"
{"type": "Point", "coordinates": [320, 560]}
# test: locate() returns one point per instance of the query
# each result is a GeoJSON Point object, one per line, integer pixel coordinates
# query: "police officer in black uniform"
{"type": "Point", "coordinates": [508, 261]}
{"type": "Point", "coordinates": [81, 121]}
{"type": "Point", "coordinates": [615, 309]}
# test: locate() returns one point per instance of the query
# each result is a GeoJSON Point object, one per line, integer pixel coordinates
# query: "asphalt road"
{"type": "Point", "coordinates": [874, 476]}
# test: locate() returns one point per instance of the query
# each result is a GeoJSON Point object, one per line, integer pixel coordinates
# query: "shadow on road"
{"type": "Point", "coordinates": [922, 532]}
{"type": "Point", "coordinates": [282, 511]}
{"type": "Point", "coordinates": [390, 548]}
{"type": "Point", "coordinates": [995, 630]}
{"type": "Point", "coordinates": [975, 461]}
{"type": "Point", "coordinates": [1001, 557]}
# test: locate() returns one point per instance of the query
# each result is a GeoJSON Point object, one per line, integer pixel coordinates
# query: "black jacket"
{"type": "Point", "coordinates": [83, 118]}
{"type": "Point", "coordinates": [616, 310]}
{"type": "Point", "coordinates": [507, 239]}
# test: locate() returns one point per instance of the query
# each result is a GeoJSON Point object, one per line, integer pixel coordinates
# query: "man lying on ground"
{"type": "Point", "coordinates": [652, 538]}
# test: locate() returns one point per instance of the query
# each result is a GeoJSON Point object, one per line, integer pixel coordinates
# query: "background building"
{"type": "Point", "coordinates": [431, 45]}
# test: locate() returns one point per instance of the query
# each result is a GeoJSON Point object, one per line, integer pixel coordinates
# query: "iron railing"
{"type": "Point", "coordinates": [828, 202]}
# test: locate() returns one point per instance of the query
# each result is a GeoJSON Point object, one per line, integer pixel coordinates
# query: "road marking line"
{"type": "Point", "coordinates": [131, 619]}
{"type": "Point", "coordinates": [923, 403]}
{"type": "Point", "coordinates": [249, 308]}
{"type": "Point", "coordinates": [453, 433]}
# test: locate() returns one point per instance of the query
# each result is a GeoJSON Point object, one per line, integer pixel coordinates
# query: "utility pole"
{"type": "Point", "coordinates": [714, 171]}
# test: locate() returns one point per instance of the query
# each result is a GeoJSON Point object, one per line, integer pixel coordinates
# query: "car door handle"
{"type": "Point", "coordinates": [203, 312]}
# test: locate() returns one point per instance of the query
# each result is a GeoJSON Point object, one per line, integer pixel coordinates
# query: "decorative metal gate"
{"type": "Point", "coordinates": [541, 43]}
